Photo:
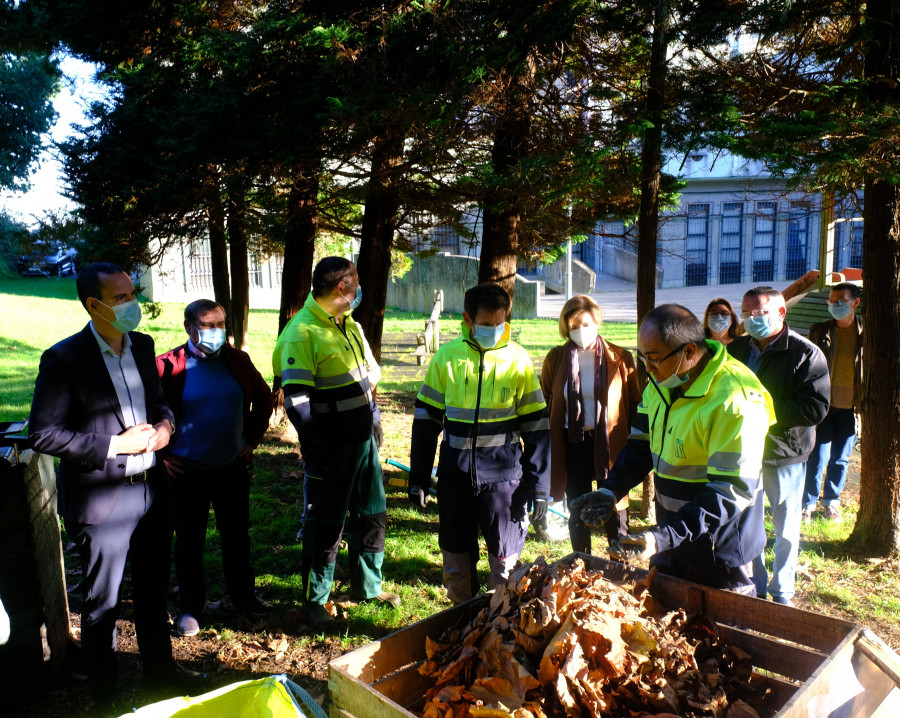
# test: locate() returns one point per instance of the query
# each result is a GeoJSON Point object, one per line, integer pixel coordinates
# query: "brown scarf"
{"type": "Point", "coordinates": [601, 396]}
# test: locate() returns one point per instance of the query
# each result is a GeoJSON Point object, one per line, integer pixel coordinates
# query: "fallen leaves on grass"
{"type": "Point", "coordinates": [563, 641]}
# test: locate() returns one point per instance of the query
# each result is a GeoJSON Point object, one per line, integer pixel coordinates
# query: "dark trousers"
{"type": "Point", "coordinates": [354, 485]}
{"type": "Point", "coordinates": [579, 481]}
{"type": "Point", "coordinates": [228, 491]}
{"type": "Point", "coordinates": [494, 509]}
{"type": "Point", "coordinates": [138, 529]}
{"type": "Point", "coordinates": [727, 578]}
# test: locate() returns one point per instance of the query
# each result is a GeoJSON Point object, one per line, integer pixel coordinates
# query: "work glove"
{"type": "Point", "coordinates": [538, 510]}
{"type": "Point", "coordinates": [378, 433]}
{"type": "Point", "coordinates": [595, 507]}
{"type": "Point", "coordinates": [418, 497]}
{"type": "Point", "coordinates": [633, 547]}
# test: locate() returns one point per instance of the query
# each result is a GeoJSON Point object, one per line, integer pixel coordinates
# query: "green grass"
{"type": "Point", "coordinates": [35, 313]}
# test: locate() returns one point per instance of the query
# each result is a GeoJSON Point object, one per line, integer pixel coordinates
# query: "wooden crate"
{"type": "Point", "coordinates": [815, 664]}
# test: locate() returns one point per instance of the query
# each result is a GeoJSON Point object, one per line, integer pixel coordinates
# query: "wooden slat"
{"type": "Point", "coordinates": [772, 655]}
{"type": "Point", "coordinates": [809, 629]}
{"type": "Point", "coordinates": [360, 699]}
{"type": "Point", "coordinates": [780, 691]}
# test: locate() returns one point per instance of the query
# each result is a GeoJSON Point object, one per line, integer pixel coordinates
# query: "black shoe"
{"type": "Point", "coordinates": [255, 607]}
{"type": "Point", "coordinates": [174, 679]}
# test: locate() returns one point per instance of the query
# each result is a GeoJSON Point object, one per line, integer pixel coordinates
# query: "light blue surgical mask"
{"type": "Point", "coordinates": [488, 336]}
{"type": "Point", "coordinates": [128, 316]}
{"type": "Point", "coordinates": [759, 327]}
{"type": "Point", "coordinates": [718, 323]}
{"type": "Point", "coordinates": [357, 300]}
{"type": "Point", "coordinates": [211, 340]}
{"type": "Point", "coordinates": [675, 381]}
{"type": "Point", "coordinates": [839, 311]}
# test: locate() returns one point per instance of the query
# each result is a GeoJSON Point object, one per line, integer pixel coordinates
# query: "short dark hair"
{"type": "Point", "coordinates": [764, 291]}
{"type": "Point", "coordinates": [854, 289]}
{"type": "Point", "coordinates": [328, 273]}
{"type": "Point", "coordinates": [677, 325]}
{"type": "Point", "coordinates": [488, 296]}
{"type": "Point", "coordinates": [88, 282]}
{"type": "Point", "coordinates": [193, 310]}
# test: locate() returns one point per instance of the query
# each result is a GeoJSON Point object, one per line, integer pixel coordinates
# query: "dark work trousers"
{"type": "Point", "coordinates": [228, 490]}
{"type": "Point", "coordinates": [354, 484]}
{"type": "Point", "coordinates": [138, 529]}
{"type": "Point", "coordinates": [462, 512]}
{"type": "Point", "coordinates": [728, 578]}
{"type": "Point", "coordinates": [579, 481]}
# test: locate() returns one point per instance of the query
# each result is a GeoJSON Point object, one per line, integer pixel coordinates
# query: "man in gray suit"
{"type": "Point", "coordinates": [99, 407]}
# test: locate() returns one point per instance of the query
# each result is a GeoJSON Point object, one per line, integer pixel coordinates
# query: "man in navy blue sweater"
{"type": "Point", "coordinates": [222, 407]}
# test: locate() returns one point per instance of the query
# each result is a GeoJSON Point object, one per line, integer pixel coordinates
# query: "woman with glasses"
{"type": "Point", "coordinates": [592, 390]}
{"type": "Point", "coordinates": [720, 322]}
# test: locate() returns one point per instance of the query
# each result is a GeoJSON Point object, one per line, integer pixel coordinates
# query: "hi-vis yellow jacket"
{"type": "Point", "coordinates": [324, 374]}
{"type": "Point", "coordinates": [706, 449]}
{"type": "Point", "coordinates": [487, 403]}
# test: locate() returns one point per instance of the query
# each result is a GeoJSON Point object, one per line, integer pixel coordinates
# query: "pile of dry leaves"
{"type": "Point", "coordinates": [563, 641]}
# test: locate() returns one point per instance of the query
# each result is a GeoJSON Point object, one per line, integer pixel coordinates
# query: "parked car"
{"type": "Point", "coordinates": [48, 259]}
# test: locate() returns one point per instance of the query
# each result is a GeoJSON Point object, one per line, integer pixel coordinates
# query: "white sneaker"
{"type": "Point", "coordinates": [807, 515]}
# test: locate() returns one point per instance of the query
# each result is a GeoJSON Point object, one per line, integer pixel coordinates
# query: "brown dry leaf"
{"type": "Point", "coordinates": [433, 647]}
{"type": "Point", "coordinates": [485, 712]}
{"type": "Point", "coordinates": [568, 702]}
{"type": "Point", "coordinates": [556, 652]}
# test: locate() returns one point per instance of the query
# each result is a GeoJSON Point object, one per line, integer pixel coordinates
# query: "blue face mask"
{"type": "Point", "coordinates": [128, 316]}
{"type": "Point", "coordinates": [211, 340]}
{"type": "Point", "coordinates": [840, 311]}
{"type": "Point", "coordinates": [487, 336]}
{"type": "Point", "coordinates": [357, 300]}
{"type": "Point", "coordinates": [759, 327]}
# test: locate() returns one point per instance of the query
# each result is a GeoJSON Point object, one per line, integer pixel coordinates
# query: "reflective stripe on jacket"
{"type": "Point", "coordinates": [324, 375]}
{"type": "Point", "coordinates": [488, 404]}
{"type": "Point", "coordinates": [706, 449]}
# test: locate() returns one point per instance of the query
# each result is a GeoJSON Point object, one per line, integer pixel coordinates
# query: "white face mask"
{"type": "Point", "coordinates": [584, 337]}
{"type": "Point", "coordinates": [718, 322]}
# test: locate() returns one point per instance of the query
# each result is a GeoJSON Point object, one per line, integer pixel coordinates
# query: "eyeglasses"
{"type": "Point", "coordinates": [656, 362]}
{"type": "Point", "coordinates": [838, 303]}
{"type": "Point", "coordinates": [754, 313]}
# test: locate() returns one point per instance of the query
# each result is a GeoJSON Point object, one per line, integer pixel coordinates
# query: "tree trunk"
{"type": "Point", "coordinates": [240, 270]}
{"type": "Point", "coordinates": [503, 209]}
{"type": "Point", "coordinates": [300, 242]}
{"type": "Point", "coordinates": [218, 253]}
{"type": "Point", "coordinates": [651, 167]}
{"type": "Point", "coordinates": [377, 239]}
{"type": "Point", "coordinates": [648, 224]}
{"type": "Point", "coordinates": [877, 530]}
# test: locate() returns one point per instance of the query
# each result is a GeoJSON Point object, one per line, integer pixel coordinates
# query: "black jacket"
{"type": "Point", "coordinates": [795, 373]}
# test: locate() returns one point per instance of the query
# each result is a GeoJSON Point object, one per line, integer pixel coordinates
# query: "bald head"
{"type": "Point", "coordinates": [674, 325]}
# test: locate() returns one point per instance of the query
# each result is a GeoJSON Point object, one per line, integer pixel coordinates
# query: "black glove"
{"type": "Point", "coordinates": [418, 497]}
{"type": "Point", "coordinates": [538, 510]}
{"type": "Point", "coordinates": [595, 507]}
{"type": "Point", "coordinates": [378, 433]}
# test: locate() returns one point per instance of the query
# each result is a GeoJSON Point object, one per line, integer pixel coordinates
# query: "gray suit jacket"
{"type": "Point", "coordinates": [74, 413]}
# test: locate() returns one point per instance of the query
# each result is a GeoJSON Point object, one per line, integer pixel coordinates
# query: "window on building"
{"type": "Point", "coordinates": [200, 275]}
{"type": "Point", "coordinates": [796, 262]}
{"type": "Point", "coordinates": [697, 248]}
{"type": "Point", "coordinates": [731, 255]}
{"type": "Point", "coordinates": [255, 270]}
{"type": "Point", "coordinates": [278, 264]}
{"type": "Point", "coordinates": [764, 242]}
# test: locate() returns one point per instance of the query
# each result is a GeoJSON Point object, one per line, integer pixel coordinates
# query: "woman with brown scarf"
{"type": "Point", "coordinates": [591, 387]}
